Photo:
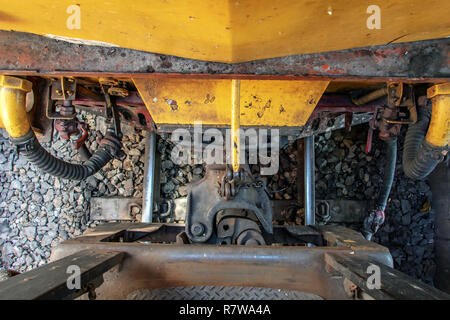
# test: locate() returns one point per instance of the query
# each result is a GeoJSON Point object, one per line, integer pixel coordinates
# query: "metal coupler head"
{"type": "Point", "coordinates": [372, 223]}
{"type": "Point", "coordinates": [113, 144]}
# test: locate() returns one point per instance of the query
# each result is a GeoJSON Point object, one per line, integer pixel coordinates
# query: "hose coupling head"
{"type": "Point", "coordinates": [112, 144]}
{"type": "Point", "coordinates": [372, 223]}
{"type": "Point", "coordinates": [387, 129]}
{"type": "Point", "coordinates": [24, 143]}
{"type": "Point", "coordinates": [436, 153]}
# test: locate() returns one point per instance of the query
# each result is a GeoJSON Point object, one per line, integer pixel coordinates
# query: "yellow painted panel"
{"type": "Point", "coordinates": [438, 133]}
{"type": "Point", "coordinates": [230, 30]}
{"type": "Point", "coordinates": [188, 28]}
{"type": "Point", "coordinates": [285, 27]}
{"type": "Point", "coordinates": [262, 102]}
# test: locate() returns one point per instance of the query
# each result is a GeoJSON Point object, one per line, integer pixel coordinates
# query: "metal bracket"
{"type": "Point", "coordinates": [114, 208]}
{"type": "Point", "coordinates": [204, 201]}
{"type": "Point", "coordinates": [63, 90]}
{"type": "Point", "coordinates": [241, 231]}
{"type": "Point", "coordinates": [111, 110]}
{"type": "Point", "coordinates": [401, 95]}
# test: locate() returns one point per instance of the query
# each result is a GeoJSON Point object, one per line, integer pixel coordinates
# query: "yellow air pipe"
{"type": "Point", "coordinates": [13, 114]}
{"type": "Point", "coordinates": [438, 133]}
{"type": "Point", "coordinates": [235, 124]}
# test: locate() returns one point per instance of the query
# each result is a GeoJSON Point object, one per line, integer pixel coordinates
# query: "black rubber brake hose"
{"type": "Point", "coordinates": [419, 157]}
{"type": "Point", "coordinates": [30, 147]}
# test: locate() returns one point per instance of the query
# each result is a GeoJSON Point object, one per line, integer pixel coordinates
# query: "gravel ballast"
{"type": "Point", "coordinates": [38, 211]}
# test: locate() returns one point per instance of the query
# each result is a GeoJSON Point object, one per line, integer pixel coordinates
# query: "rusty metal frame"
{"type": "Point", "coordinates": [117, 260]}
{"type": "Point", "coordinates": [49, 282]}
{"type": "Point", "coordinates": [156, 265]}
{"type": "Point", "coordinates": [329, 106]}
{"type": "Point", "coordinates": [419, 61]}
{"type": "Point", "coordinates": [132, 109]}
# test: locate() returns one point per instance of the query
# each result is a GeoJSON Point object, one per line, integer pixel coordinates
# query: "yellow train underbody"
{"type": "Point", "coordinates": [230, 31]}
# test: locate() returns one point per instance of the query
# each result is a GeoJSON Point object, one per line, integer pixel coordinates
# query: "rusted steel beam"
{"type": "Point", "coordinates": [158, 265]}
{"type": "Point", "coordinates": [132, 109]}
{"type": "Point", "coordinates": [335, 103]}
{"type": "Point", "coordinates": [49, 282]}
{"type": "Point", "coordinates": [393, 283]}
{"type": "Point", "coordinates": [420, 61]}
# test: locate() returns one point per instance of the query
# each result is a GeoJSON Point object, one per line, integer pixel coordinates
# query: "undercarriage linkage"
{"type": "Point", "coordinates": [221, 195]}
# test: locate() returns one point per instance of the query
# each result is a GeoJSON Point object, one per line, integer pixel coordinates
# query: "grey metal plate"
{"type": "Point", "coordinates": [114, 208]}
{"type": "Point", "coordinates": [220, 293]}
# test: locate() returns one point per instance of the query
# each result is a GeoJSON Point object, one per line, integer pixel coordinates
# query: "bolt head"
{"type": "Point", "coordinates": [15, 83]}
{"type": "Point", "coordinates": [197, 229]}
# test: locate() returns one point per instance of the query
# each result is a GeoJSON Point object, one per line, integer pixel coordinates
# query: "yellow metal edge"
{"type": "Point", "coordinates": [438, 133]}
{"type": "Point", "coordinates": [228, 31]}
{"type": "Point", "coordinates": [277, 103]}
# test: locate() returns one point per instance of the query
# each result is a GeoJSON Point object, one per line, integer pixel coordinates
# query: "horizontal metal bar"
{"type": "Point", "coordinates": [419, 61]}
{"type": "Point", "coordinates": [155, 265]}
{"type": "Point", "coordinates": [119, 208]}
